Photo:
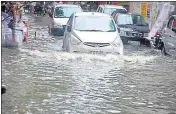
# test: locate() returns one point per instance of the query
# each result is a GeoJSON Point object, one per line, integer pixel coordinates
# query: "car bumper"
{"type": "Point", "coordinates": [137, 37]}
{"type": "Point", "coordinates": [99, 50]}
{"type": "Point", "coordinates": [59, 31]}
{"type": "Point", "coordinates": [132, 38]}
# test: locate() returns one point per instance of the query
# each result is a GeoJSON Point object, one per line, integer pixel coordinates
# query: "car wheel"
{"type": "Point", "coordinates": [125, 41]}
{"type": "Point", "coordinates": [142, 42]}
{"type": "Point", "coordinates": [163, 51]}
{"type": "Point", "coordinates": [147, 43]}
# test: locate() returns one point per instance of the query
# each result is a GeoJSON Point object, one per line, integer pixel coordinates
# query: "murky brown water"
{"type": "Point", "coordinates": [41, 79]}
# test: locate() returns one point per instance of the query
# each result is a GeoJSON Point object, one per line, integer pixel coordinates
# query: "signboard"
{"type": "Point", "coordinates": [144, 10]}
{"type": "Point", "coordinates": [148, 10]}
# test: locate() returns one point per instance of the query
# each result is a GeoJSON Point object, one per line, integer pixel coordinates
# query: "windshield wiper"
{"type": "Point", "coordinates": [140, 25]}
{"type": "Point", "coordinates": [129, 24]}
{"type": "Point", "coordinates": [93, 30]}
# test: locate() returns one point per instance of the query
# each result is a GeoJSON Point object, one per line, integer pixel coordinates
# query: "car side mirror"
{"type": "Point", "coordinates": [118, 29]}
{"type": "Point", "coordinates": [68, 28]}
{"type": "Point", "coordinates": [174, 29]}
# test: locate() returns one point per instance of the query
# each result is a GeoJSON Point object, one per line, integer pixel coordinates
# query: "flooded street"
{"type": "Point", "coordinates": [42, 79]}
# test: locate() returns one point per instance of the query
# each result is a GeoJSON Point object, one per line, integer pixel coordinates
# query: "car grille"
{"type": "Point", "coordinates": [132, 34]}
{"type": "Point", "coordinates": [96, 44]}
{"type": "Point", "coordinates": [142, 35]}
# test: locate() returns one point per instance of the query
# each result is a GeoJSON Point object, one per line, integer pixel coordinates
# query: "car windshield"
{"type": "Point", "coordinates": [65, 12]}
{"type": "Point", "coordinates": [94, 23]}
{"type": "Point", "coordinates": [130, 19]}
{"type": "Point", "coordinates": [124, 19]}
{"type": "Point", "coordinates": [138, 20]}
{"type": "Point", "coordinates": [111, 10]}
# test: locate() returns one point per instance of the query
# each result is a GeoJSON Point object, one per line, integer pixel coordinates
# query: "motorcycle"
{"type": "Point", "coordinates": [158, 43]}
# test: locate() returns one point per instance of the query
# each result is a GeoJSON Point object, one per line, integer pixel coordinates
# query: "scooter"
{"type": "Point", "coordinates": [158, 41]}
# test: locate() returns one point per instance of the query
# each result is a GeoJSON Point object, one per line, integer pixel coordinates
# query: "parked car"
{"type": "Point", "coordinates": [132, 27]}
{"type": "Point", "coordinates": [27, 7]}
{"type": "Point", "coordinates": [168, 43]}
{"type": "Point", "coordinates": [38, 8]}
{"type": "Point", "coordinates": [109, 9]}
{"type": "Point", "coordinates": [92, 32]}
{"type": "Point", "coordinates": [59, 16]}
{"type": "Point", "coordinates": [118, 11]}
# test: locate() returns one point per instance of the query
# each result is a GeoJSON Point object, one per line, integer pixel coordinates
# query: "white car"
{"type": "Point", "coordinates": [92, 32]}
{"type": "Point", "coordinates": [109, 9]}
{"type": "Point", "coordinates": [59, 16]}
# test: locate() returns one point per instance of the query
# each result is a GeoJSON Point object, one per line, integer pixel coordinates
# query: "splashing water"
{"type": "Point", "coordinates": [141, 59]}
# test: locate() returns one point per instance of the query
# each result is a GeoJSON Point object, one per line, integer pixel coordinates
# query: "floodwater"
{"type": "Point", "coordinates": [41, 79]}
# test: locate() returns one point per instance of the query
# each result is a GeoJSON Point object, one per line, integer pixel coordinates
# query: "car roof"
{"type": "Point", "coordinates": [91, 13]}
{"type": "Point", "coordinates": [121, 12]}
{"type": "Point", "coordinates": [129, 13]}
{"type": "Point", "coordinates": [112, 6]}
{"type": "Point", "coordinates": [134, 13]}
{"type": "Point", "coordinates": [67, 5]}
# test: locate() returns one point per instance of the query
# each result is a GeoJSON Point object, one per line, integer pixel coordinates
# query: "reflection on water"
{"type": "Point", "coordinates": [41, 79]}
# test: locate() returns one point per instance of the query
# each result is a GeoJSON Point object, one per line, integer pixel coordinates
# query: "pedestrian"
{"type": "Point", "coordinates": [11, 24]}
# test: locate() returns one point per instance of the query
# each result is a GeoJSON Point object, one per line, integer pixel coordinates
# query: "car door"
{"type": "Point", "coordinates": [170, 37]}
{"type": "Point", "coordinates": [69, 23]}
{"type": "Point", "coordinates": [67, 34]}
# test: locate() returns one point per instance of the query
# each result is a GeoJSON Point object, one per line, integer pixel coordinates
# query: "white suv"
{"type": "Point", "coordinates": [109, 9]}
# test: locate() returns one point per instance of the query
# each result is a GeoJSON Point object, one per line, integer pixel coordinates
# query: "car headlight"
{"type": "Point", "coordinates": [56, 25]}
{"type": "Point", "coordinates": [122, 33]}
{"type": "Point", "coordinates": [117, 42]}
{"type": "Point", "coordinates": [74, 39]}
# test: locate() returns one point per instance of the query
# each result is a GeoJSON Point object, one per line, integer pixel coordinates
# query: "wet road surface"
{"type": "Point", "coordinates": [41, 79]}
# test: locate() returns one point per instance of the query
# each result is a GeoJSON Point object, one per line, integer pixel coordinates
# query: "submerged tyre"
{"type": "Point", "coordinates": [125, 41]}
{"type": "Point", "coordinates": [163, 51]}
